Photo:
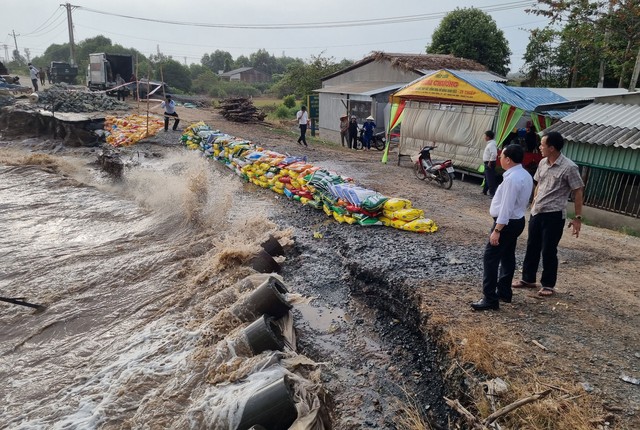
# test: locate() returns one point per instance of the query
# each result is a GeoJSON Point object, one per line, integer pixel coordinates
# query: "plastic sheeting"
{"type": "Point", "coordinates": [456, 129]}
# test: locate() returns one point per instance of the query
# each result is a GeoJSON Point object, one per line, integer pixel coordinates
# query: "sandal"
{"type": "Point", "coordinates": [546, 292]}
{"type": "Point", "coordinates": [524, 284]}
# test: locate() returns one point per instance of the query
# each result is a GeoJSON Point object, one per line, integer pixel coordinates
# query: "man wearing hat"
{"type": "Point", "coordinates": [369, 126]}
{"type": "Point", "coordinates": [344, 128]}
{"type": "Point", "coordinates": [170, 110]}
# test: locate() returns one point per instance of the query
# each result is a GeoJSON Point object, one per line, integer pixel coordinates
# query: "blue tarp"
{"type": "Point", "coordinates": [521, 97]}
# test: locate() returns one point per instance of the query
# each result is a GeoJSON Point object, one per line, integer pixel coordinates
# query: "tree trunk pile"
{"type": "Point", "coordinates": [241, 109]}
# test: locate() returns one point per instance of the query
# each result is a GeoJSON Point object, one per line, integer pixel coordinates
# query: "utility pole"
{"type": "Point", "coordinates": [16, 53]}
{"type": "Point", "coordinates": [13, 33]}
{"type": "Point", "coordinates": [72, 46]}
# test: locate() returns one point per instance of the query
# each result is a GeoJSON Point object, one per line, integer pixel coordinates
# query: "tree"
{"type": "Point", "coordinates": [217, 60]}
{"type": "Point", "coordinates": [302, 78]}
{"type": "Point", "coordinates": [541, 66]}
{"type": "Point", "coordinates": [598, 39]}
{"type": "Point", "coordinates": [473, 34]}
{"type": "Point", "coordinates": [176, 75]}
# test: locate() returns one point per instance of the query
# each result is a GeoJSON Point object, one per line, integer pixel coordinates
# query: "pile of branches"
{"type": "Point", "coordinates": [241, 109]}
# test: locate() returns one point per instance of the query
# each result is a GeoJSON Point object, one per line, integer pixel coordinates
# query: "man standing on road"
{"type": "Point", "coordinates": [489, 159]}
{"type": "Point", "coordinates": [303, 120]}
{"type": "Point", "coordinates": [33, 75]}
{"type": "Point", "coordinates": [508, 208]}
{"type": "Point", "coordinates": [170, 110]}
{"type": "Point", "coordinates": [557, 177]}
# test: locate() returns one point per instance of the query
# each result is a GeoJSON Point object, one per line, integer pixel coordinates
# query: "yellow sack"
{"type": "Point", "coordinates": [394, 204]}
{"type": "Point", "coordinates": [408, 214]}
{"type": "Point", "coordinates": [385, 221]}
{"type": "Point", "coordinates": [421, 225]}
{"type": "Point", "coordinates": [397, 223]}
{"type": "Point", "coordinates": [338, 217]}
{"type": "Point", "coordinates": [349, 219]}
{"type": "Point", "coordinates": [327, 210]}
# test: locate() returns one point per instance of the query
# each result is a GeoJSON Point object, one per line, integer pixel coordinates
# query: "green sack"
{"type": "Point", "coordinates": [374, 202]}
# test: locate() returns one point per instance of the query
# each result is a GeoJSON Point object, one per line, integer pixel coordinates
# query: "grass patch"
{"type": "Point", "coordinates": [481, 353]}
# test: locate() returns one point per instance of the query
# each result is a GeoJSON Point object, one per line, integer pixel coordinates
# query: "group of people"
{"type": "Point", "coordinates": [556, 177]}
{"type": "Point", "coordinates": [36, 75]}
{"type": "Point", "coordinates": [349, 130]}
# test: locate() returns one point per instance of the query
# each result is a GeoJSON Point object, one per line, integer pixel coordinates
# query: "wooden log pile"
{"type": "Point", "coordinates": [241, 109]}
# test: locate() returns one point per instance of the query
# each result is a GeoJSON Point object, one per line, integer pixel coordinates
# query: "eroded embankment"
{"type": "Point", "coordinates": [71, 129]}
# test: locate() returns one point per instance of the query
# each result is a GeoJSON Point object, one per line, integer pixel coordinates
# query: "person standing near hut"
{"type": "Point", "coordinates": [344, 128]}
{"type": "Point", "coordinates": [303, 121]}
{"type": "Point", "coordinates": [353, 132]}
{"type": "Point", "coordinates": [41, 74]}
{"type": "Point", "coordinates": [489, 158]}
{"type": "Point", "coordinates": [369, 126]}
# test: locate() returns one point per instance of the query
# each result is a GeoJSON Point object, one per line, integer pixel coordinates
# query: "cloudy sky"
{"type": "Point", "coordinates": [332, 28]}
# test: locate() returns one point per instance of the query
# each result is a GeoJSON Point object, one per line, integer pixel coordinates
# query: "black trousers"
{"type": "Point", "coordinates": [303, 133]}
{"type": "Point", "coordinates": [490, 183]}
{"type": "Point", "coordinates": [166, 120]}
{"type": "Point", "coordinates": [500, 262]}
{"type": "Point", "coordinates": [353, 141]}
{"type": "Point", "coordinates": [545, 232]}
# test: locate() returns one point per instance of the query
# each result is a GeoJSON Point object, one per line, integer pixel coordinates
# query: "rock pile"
{"type": "Point", "coordinates": [241, 109]}
{"type": "Point", "coordinates": [66, 98]}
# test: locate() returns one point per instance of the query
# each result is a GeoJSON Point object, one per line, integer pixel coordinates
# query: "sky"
{"type": "Point", "coordinates": [207, 25]}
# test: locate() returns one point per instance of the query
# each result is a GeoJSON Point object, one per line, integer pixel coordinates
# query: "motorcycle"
{"type": "Point", "coordinates": [441, 172]}
{"type": "Point", "coordinates": [378, 140]}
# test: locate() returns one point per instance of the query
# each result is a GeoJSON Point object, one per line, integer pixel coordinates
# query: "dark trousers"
{"type": "Point", "coordinates": [166, 120]}
{"type": "Point", "coordinates": [35, 84]}
{"type": "Point", "coordinates": [303, 132]}
{"type": "Point", "coordinates": [490, 183]}
{"type": "Point", "coordinates": [121, 94]}
{"type": "Point", "coordinates": [545, 232]}
{"type": "Point", "coordinates": [353, 141]}
{"type": "Point", "coordinates": [343, 137]}
{"type": "Point", "coordinates": [500, 262]}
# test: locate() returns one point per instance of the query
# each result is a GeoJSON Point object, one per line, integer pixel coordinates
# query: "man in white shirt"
{"type": "Point", "coordinates": [33, 74]}
{"type": "Point", "coordinates": [303, 119]}
{"type": "Point", "coordinates": [170, 110]}
{"type": "Point", "coordinates": [489, 159]}
{"type": "Point", "coordinates": [508, 208]}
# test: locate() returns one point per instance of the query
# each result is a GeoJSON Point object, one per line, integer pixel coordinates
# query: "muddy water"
{"type": "Point", "coordinates": [129, 272]}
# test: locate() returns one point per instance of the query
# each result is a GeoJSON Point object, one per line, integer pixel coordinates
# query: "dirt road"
{"type": "Point", "coordinates": [586, 337]}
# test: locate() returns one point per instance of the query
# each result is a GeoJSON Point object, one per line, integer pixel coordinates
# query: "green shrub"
{"type": "Point", "coordinates": [282, 112]}
{"type": "Point", "coordinates": [289, 101]}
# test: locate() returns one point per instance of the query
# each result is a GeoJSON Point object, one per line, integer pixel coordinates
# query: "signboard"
{"type": "Point", "coordinates": [313, 104]}
{"type": "Point", "coordinates": [443, 85]}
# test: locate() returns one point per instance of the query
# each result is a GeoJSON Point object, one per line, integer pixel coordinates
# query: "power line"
{"type": "Point", "coordinates": [42, 26]}
{"type": "Point", "coordinates": [326, 24]}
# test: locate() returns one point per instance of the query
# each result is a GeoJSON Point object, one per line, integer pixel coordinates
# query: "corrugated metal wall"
{"type": "Point", "coordinates": [606, 157]}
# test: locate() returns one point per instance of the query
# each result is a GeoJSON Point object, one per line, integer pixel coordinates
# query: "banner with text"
{"type": "Point", "coordinates": [444, 85]}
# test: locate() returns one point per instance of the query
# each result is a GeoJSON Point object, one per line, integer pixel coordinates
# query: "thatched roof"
{"type": "Point", "coordinates": [416, 62]}
{"type": "Point", "coordinates": [425, 61]}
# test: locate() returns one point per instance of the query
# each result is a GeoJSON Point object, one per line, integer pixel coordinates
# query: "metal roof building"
{"type": "Point", "coordinates": [604, 140]}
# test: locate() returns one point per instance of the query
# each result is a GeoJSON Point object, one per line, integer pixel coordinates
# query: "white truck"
{"type": "Point", "coordinates": [104, 68]}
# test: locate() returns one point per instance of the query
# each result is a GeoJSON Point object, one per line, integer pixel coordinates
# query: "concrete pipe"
{"type": "Point", "coordinates": [272, 407]}
{"type": "Point", "coordinates": [272, 246]}
{"type": "Point", "coordinates": [267, 299]}
{"type": "Point", "coordinates": [264, 335]}
{"type": "Point", "coordinates": [262, 262]}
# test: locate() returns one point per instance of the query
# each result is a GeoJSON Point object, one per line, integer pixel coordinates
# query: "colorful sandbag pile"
{"type": "Point", "coordinates": [339, 197]}
{"type": "Point", "coordinates": [131, 129]}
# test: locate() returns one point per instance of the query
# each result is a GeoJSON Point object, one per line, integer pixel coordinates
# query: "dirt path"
{"type": "Point", "coordinates": [590, 329]}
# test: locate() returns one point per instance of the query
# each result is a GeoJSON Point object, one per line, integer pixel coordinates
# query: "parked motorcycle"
{"type": "Point", "coordinates": [378, 141]}
{"type": "Point", "coordinates": [441, 172]}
